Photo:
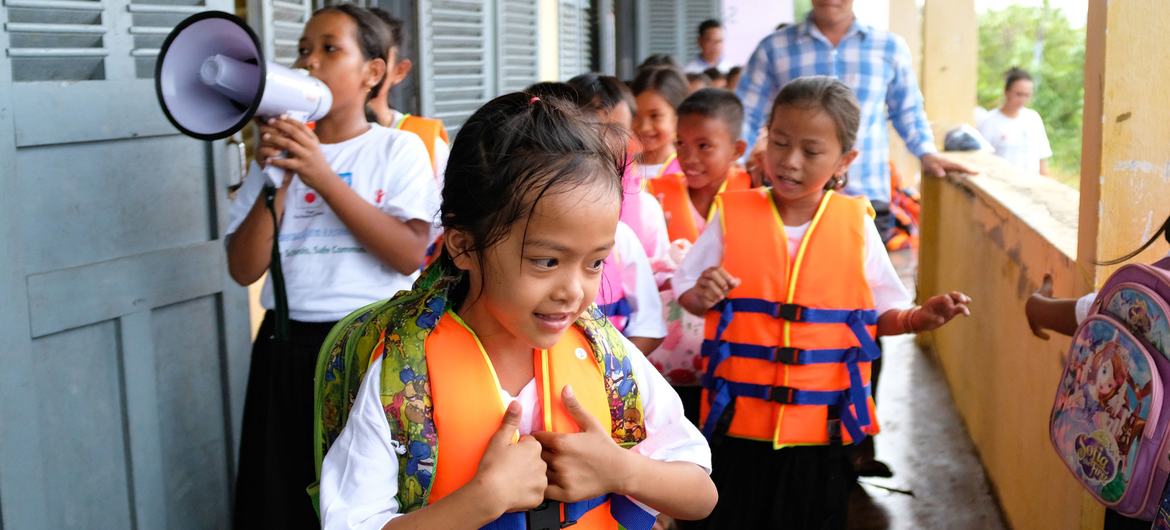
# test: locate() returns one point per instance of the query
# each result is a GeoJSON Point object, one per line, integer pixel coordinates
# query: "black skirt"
{"type": "Point", "coordinates": [793, 488]}
{"type": "Point", "coordinates": [276, 440]}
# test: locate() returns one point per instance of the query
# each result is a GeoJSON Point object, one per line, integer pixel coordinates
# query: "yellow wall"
{"type": "Point", "coordinates": [1132, 182]}
{"type": "Point", "coordinates": [1003, 231]}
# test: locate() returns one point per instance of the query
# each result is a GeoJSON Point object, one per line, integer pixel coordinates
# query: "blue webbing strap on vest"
{"type": "Point", "coordinates": [628, 514]}
{"type": "Point", "coordinates": [721, 393]}
{"type": "Point", "coordinates": [620, 308]}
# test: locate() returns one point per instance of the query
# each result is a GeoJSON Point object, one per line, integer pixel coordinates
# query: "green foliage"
{"type": "Point", "coordinates": [1042, 41]}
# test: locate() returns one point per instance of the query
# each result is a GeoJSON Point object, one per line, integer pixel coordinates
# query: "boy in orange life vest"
{"type": "Point", "coordinates": [796, 287]}
{"type": "Point", "coordinates": [709, 123]}
{"type": "Point", "coordinates": [432, 132]}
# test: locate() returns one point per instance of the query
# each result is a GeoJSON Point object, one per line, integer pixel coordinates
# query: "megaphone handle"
{"type": "Point", "coordinates": [279, 295]}
{"type": "Point", "coordinates": [275, 175]}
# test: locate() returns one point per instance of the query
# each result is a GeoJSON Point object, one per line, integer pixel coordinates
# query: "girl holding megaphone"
{"type": "Point", "coordinates": [355, 215]}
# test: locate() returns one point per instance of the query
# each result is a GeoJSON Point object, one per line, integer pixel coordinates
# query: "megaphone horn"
{"type": "Point", "coordinates": [211, 78]}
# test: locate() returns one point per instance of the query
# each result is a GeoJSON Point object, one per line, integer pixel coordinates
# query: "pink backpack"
{"type": "Point", "coordinates": [1107, 421]}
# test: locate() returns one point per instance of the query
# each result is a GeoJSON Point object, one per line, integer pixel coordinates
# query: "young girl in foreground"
{"type": "Point", "coordinates": [796, 287]}
{"type": "Point", "coordinates": [527, 386]}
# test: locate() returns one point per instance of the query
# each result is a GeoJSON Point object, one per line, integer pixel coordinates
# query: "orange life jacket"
{"type": "Point", "coordinates": [671, 191]}
{"type": "Point", "coordinates": [790, 347]}
{"type": "Point", "coordinates": [430, 130]}
{"type": "Point", "coordinates": [468, 409]}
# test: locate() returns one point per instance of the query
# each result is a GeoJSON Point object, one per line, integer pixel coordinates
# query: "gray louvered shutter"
{"type": "Point", "coordinates": [575, 38]}
{"type": "Point", "coordinates": [696, 12]}
{"type": "Point", "coordinates": [57, 41]}
{"type": "Point", "coordinates": [456, 59]}
{"type": "Point", "coordinates": [279, 24]}
{"type": "Point", "coordinates": [517, 45]}
{"type": "Point", "coordinates": [662, 28]}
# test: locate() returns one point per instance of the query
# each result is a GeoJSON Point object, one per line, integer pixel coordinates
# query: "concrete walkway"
{"type": "Point", "coordinates": [924, 442]}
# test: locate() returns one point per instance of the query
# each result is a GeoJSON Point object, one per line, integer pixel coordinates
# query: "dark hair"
{"type": "Point", "coordinates": [372, 34]}
{"type": "Point", "coordinates": [599, 93]}
{"type": "Point", "coordinates": [714, 74]}
{"type": "Point", "coordinates": [552, 89]}
{"type": "Point", "coordinates": [782, 25]}
{"type": "Point", "coordinates": [693, 77]}
{"type": "Point", "coordinates": [668, 82]}
{"type": "Point", "coordinates": [657, 60]}
{"type": "Point", "coordinates": [829, 95]}
{"type": "Point", "coordinates": [1015, 74]}
{"type": "Point", "coordinates": [715, 103]}
{"type": "Point", "coordinates": [513, 151]}
{"type": "Point", "coordinates": [708, 24]}
{"type": "Point", "coordinates": [1163, 232]}
{"type": "Point", "coordinates": [393, 27]}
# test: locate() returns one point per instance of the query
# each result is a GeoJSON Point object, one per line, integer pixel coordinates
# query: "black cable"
{"type": "Point", "coordinates": [278, 293]}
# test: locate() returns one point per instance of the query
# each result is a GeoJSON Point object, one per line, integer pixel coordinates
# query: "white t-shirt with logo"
{"type": "Point", "coordinates": [327, 272]}
{"type": "Point", "coordinates": [1022, 140]}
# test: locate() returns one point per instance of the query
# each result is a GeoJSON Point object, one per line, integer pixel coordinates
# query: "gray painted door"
{"type": "Point", "coordinates": [123, 343]}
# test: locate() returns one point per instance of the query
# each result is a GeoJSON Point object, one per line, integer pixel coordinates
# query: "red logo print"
{"type": "Point", "coordinates": [378, 197]}
{"type": "Point", "coordinates": [310, 197]}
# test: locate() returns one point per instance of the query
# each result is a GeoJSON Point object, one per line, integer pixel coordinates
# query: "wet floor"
{"type": "Point", "coordinates": [938, 480]}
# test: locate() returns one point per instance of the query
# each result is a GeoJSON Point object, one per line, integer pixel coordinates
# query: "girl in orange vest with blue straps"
{"type": "Point", "coordinates": [796, 287]}
{"type": "Point", "coordinates": [497, 395]}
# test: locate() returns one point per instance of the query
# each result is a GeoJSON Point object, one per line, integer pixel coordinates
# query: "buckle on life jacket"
{"type": "Point", "coordinates": [790, 312]}
{"type": "Point", "coordinates": [547, 516]}
{"type": "Point", "coordinates": [787, 355]}
{"type": "Point", "coordinates": [784, 395]}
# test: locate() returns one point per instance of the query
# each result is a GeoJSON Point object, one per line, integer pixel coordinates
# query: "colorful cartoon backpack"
{"type": "Point", "coordinates": [395, 331]}
{"type": "Point", "coordinates": [1108, 424]}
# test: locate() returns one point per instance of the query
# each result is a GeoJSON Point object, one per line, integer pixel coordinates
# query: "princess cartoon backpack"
{"type": "Point", "coordinates": [1108, 424]}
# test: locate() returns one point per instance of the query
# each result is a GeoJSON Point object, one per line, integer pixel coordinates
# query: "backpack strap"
{"type": "Point", "coordinates": [625, 403]}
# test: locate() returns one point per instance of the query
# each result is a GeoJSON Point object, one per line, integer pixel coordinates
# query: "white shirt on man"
{"type": "Point", "coordinates": [327, 271]}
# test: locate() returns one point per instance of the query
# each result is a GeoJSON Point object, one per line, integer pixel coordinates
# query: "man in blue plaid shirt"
{"type": "Point", "coordinates": [878, 67]}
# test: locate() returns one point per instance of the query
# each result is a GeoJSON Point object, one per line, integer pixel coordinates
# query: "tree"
{"type": "Point", "coordinates": [1042, 41]}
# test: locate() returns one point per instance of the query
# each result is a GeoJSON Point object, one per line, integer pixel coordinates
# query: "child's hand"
{"type": "Point", "coordinates": [1032, 305]}
{"type": "Point", "coordinates": [290, 144]}
{"type": "Point", "coordinates": [512, 475]}
{"type": "Point", "coordinates": [939, 310]}
{"type": "Point", "coordinates": [581, 465]}
{"type": "Point", "coordinates": [712, 287]}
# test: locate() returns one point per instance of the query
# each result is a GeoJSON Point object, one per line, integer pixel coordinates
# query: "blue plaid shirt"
{"type": "Point", "coordinates": [875, 64]}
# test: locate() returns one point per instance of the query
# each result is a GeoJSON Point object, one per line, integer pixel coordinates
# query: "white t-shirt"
{"type": "Point", "coordinates": [442, 150]}
{"type": "Point", "coordinates": [327, 272]}
{"type": "Point", "coordinates": [359, 473]}
{"type": "Point", "coordinates": [1022, 140]}
{"type": "Point", "coordinates": [638, 284]}
{"type": "Point", "coordinates": [698, 65]}
{"type": "Point", "coordinates": [888, 290]}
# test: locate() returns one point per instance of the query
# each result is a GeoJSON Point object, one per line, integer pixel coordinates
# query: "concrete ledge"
{"type": "Point", "coordinates": [994, 235]}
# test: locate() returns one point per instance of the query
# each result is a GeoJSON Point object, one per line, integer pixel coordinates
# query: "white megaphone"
{"type": "Point", "coordinates": [211, 78]}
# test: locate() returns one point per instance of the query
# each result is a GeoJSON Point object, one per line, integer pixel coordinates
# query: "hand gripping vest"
{"type": "Point", "coordinates": [439, 390]}
{"type": "Point", "coordinates": [611, 297]}
{"type": "Point", "coordinates": [790, 348]}
{"type": "Point", "coordinates": [671, 191]}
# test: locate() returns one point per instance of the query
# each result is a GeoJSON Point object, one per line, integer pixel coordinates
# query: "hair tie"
{"type": "Point", "coordinates": [533, 100]}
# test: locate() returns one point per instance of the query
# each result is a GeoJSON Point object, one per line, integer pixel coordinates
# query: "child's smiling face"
{"type": "Point", "coordinates": [546, 271]}
{"type": "Point", "coordinates": [707, 149]}
{"type": "Point", "coordinates": [654, 122]}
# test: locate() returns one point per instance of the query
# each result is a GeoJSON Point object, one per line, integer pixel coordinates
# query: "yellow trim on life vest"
{"type": "Point", "coordinates": [793, 272]}
{"type": "Point", "coordinates": [665, 165]}
{"type": "Point", "coordinates": [486, 358]}
{"type": "Point", "coordinates": [546, 395]}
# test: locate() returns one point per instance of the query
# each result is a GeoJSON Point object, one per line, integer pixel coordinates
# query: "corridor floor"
{"type": "Point", "coordinates": [924, 442]}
